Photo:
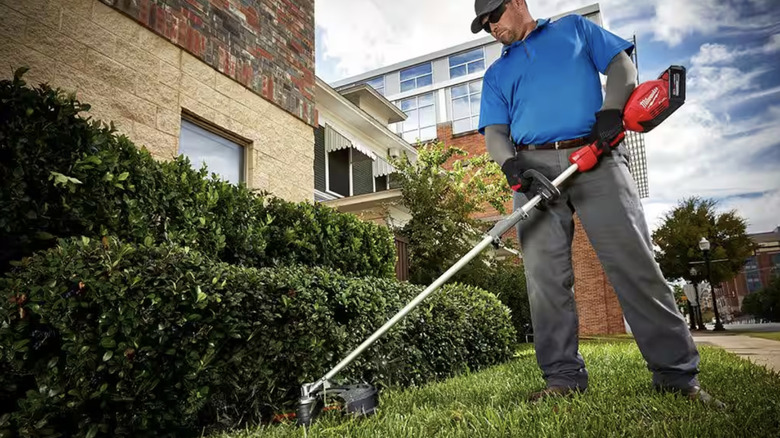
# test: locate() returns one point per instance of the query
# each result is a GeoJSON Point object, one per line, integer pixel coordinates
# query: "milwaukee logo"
{"type": "Point", "coordinates": [650, 99]}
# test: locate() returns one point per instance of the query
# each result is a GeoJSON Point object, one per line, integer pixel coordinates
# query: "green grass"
{"type": "Point", "coordinates": [619, 403]}
{"type": "Point", "coordinates": [775, 336]}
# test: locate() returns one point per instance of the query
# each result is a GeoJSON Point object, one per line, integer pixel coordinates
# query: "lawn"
{"type": "Point", "coordinates": [620, 402]}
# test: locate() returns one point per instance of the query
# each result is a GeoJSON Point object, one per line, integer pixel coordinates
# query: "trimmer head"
{"type": "Point", "coordinates": [356, 400]}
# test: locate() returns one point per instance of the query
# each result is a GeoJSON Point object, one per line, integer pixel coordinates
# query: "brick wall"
{"type": "Point", "coordinates": [143, 83]}
{"type": "Point", "coordinates": [265, 45]}
{"type": "Point", "coordinates": [597, 306]}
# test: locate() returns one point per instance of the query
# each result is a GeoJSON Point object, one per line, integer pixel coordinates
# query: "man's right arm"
{"type": "Point", "coordinates": [498, 143]}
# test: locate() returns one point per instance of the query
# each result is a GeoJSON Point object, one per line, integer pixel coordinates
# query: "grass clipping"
{"type": "Point", "coordinates": [620, 402]}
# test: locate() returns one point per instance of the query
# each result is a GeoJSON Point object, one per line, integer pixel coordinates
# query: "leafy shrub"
{"type": "Point", "coordinates": [506, 279]}
{"type": "Point", "coordinates": [105, 338]}
{"type": "Point", "coordinates": [61, 176]}
{"type": "Point", "coordinates": [765, 303]}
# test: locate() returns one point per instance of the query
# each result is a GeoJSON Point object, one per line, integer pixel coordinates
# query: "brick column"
{"type": "Point", "coordinates": [597, 305]}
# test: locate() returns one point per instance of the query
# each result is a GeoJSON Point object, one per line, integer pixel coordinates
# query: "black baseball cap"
{"type": "Point", "coordinates": [482, 7]}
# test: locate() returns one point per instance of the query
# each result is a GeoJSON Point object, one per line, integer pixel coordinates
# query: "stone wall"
{"type": "Point", "coordinates": [144, 83]}
{"type": "Point", "coordinates": [265, 45]}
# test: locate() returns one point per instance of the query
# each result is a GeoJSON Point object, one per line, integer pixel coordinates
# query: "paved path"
{"type": "Point", "coordinates": [759, 351]}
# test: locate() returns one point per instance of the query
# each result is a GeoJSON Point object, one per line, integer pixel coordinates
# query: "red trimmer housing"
{"type": "Point", "coordinates": [653, 101]}
{"type": "Point", "coordinates": [649, 105]}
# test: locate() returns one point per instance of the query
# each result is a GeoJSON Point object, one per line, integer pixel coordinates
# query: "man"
{"type": "Point", "coordinates": [541, 101]}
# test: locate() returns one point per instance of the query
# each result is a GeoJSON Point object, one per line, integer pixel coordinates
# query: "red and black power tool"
{"type": "Point", "coordinates": [649, 105]}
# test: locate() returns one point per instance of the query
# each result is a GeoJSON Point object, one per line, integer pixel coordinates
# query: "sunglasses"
{"type": "Point", "coordinates": [494, 16]}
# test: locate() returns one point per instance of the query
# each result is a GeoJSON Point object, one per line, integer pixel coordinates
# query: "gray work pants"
{"type": "Point", "coordinates": [607, 203]}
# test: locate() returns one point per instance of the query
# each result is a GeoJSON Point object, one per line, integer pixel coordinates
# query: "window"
{"type": "Point", "coordinates": [221, 155]}
{"type": "Point", "coordinates": [416, 77]}
{"type": "Point", "coordinates": [421, 118]}
{"type": "Point", "coordinates": [465, 106]}
{"type": "Point", "coordinates": [775, 268]}
{"type": "Point", "coordinates": [468, 62]}
{"type": "Point", "coordinates": [752, 275]}
{"type": "Point", "coordinates": [377, 84]}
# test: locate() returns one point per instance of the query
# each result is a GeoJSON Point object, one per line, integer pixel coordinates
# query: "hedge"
{"type": "Point", "coordinates": [100, 337]}
{"type": "Point", "coordinates": [62, 175]}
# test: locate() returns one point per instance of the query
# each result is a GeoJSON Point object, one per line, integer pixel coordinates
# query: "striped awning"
{"type": "Point", "coordinates": [336, 140]}
{"type": "Point", "coordinates": [382, 167]}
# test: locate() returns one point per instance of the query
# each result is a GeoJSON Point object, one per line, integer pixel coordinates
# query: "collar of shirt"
{"type": "Point", "coordinates": [540, 23]}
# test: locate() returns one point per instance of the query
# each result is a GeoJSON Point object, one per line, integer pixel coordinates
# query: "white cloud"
{"type": "Point", "coordinates": [701, 151]}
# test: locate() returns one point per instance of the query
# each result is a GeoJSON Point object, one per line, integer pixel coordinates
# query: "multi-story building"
{"type": "Point", "coordinates": [440, 94]}
{"type": "Point", "coordinates": [228, 83]}
{"type": "Point", "coordinates": [758, 272]}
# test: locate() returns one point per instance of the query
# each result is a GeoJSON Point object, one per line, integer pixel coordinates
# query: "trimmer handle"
{"type": "Point", "coordinates": [587, 156]}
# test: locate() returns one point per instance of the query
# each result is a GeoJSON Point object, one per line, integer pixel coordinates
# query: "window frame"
{"type": "Point", "coordinates": [417, 108]}
{"type": "Point", "coordinates": [415, 78]}
{"type": "Point", "coordinates": [468, 95]}
{"type": "Point", "coordinates": [213, 128]}
{"type": "Point", "coordinates": [466, 64]}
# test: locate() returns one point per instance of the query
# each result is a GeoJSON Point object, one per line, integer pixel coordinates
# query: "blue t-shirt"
{"type": "Point", "coordinates": [547, 87]}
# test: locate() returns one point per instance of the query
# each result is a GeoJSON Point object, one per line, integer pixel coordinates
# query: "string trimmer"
{"type": "Point", "coordinates": [649, 105]}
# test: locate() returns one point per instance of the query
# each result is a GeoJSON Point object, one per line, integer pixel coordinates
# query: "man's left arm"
{"type": "Point", "coordinates": [610, 55]}
{"type": "Point", "coordinates": [621, 81]}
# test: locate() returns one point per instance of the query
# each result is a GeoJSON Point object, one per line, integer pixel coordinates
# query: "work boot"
{"type": "Point", "coordinates": [695, 393]}
{"type": "Point", "coordinates": [553, 391]}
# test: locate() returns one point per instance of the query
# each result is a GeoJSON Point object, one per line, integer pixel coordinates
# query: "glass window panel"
{"type": "Point", "coordinates": [475, 98]}
{"type": "Point", "coordinates": [222, 156]}
{"type": "Point", "coordinates": [460, 108]}
{"type": "Point", "coordinates": [426, 99]}
{"type": "Point", "coordinates": [428, 133]}
{"type": "Point", "coordinates": [475, 87]}
{"type": "Point", "coordinates": [415, 71]}
{"type": "Point", "coordinates": [427, 116]}
{"type": "Point", "coordinates": [408, 104]}
{"type": "Point", "coordinates": [457, 71]}
{"type": "Point", "coordinates": [461, 125]}
{"type": "Point", "coordinates": [424, 80]}
{"type": "Point", "coordinates": [407, 85]}
{"type": "Point", "coordinates": [411, 136]}
{"type": "Point", "coordinates": [459, 90]}
{"type": "Point", "coordinates": [463, 58]}
{"type": "Point", "coordinates": [475, 122]}
{"type": "Point", "coordinates": [412, 122]}
{"type": "Point", "coordinates": [377, 83]}
{"type": "Point", "coordinates": [477, 66]}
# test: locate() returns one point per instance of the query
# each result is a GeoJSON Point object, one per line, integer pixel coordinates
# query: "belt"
{"type": "Point", "coordinates": [563, 144]}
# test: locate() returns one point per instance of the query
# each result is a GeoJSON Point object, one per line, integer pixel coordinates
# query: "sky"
{"type": "Point", "coordinates": [723, 144]}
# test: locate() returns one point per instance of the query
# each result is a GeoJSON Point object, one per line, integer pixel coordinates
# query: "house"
{"type": "Point", "coordinates": [440, 94]}
{"type": "Point", "coordinates": [757, 273]}
{"type": "Point", "coordinates": [225, 82]}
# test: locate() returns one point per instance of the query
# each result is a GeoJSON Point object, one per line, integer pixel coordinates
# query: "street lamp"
{"type": "Point", "coordinates": [697, 315]}
{"type": "Point", "coordinates": [704, 245]}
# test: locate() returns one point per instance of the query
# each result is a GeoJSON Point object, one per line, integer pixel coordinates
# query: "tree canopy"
{"type": "Point", "coordinates": [677, 241]}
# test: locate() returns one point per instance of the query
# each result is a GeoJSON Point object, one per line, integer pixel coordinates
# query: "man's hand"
{"type": "Point", "coordinates": [514, 175]}
{"type": "Point", "coordinates": [609, 124]}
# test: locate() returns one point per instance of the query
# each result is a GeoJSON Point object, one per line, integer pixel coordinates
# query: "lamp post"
{"type": "Point", "coordinates": [704, 245]}
{"type": "Point", "coordinates": [697, 315]}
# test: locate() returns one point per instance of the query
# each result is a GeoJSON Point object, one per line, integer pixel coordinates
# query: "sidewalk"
{"type": "Point", "coordinates": [759, 351]}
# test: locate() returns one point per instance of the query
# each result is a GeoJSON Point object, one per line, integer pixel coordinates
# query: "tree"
{"type": "Point", "coordinates": [677, 240]}
{"type": "Point", "coordinates": [765, 303]}
{"type": "Point", "coordinates": [443, 190]}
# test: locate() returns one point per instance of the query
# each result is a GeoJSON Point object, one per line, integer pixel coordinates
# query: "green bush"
{"type": "Point", "coordinates": [506, 280]}
{"type": "Point", "coordinates": [765, 303]}
{"type": "Point", "coordinates": [103, 338]}
{"type": "Point", "coordinates": [62, 176]}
